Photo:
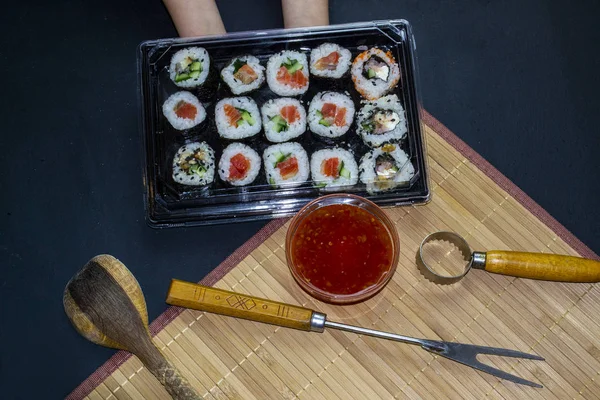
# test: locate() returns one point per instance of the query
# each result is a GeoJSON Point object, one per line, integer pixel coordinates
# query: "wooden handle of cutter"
{"type": "Point", "coordinates": [549, 267]}
{"type": "Point", "coordinates": [203, 298]}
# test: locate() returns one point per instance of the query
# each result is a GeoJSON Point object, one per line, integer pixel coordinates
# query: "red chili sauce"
{"type": "Point", "coordinates": [342, 249]}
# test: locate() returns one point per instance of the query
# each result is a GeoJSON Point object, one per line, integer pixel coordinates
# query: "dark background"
{"type": "Point", "coordinates": [517, 80]}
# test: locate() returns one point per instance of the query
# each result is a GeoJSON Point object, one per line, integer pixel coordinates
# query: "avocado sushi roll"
{"type": "Point", "coordinates": [330, 114]}
{"type": "Point", "coordinates": [237, 118]}
{"type": "Point", "coordinates": [243, 74]}
{"type": "Point", "coordinates": [239, 165]}
{"type": "Point", "coordinates": [385, 168]}
{"type": "Point", "coordinates": [381, 121]}
{"type": "Point", "coordinates": [283, 119]}
{"type": "Point", "coordinates": [333, 169]}
{"type": "Point", "coordinates": [183, 110]}
{"type": "Point", "coordinates": [286, 165]}
{"type": "Point", "coordinates": [189, 67]}
{"type": "Point", "coordinates": [287, 73]}
{"type": "Point", "coordinates": [374, 73]}
{"type": "Point", "coordinates": [194, 164]}
{"type": "Point", "coordinates": [329, 61]}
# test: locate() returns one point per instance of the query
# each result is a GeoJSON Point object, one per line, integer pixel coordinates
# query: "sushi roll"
{"type": "Point", "coordinates": [283, 119]}
{"type": "Point", "coordinates": [329, 61]}
{"type": "Point", "coordinates": [243, 74]}
{"type": "Point", "coordinates": [286, 165]}
{"type": "Point", "coordinates": [381, 121]}
{"type": "Point", "coordinates": [237, 118]}
{"type": "Point", "coordinates": [239, 165]}
{"type": "Point", "coordinates": [183, 110]}
{"type": "Point", "coordinates": [194, 164]}
{"type": "Point", "coordinates": [189, 67]}
{"type": "Point", "coordinates": [330, 114]}
{"type": "Point", "coordinates": [287, 73]}
{"type": "Point", "coordinates": [333, 169]}
{"type": "Point", "coordinates": [375, 73]}
{"type": "Point", "coordinates": [385, 168]}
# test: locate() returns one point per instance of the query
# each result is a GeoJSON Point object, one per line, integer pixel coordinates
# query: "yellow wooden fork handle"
{"type": "Point", "coordinates": [549, 267]}
{"type": "Point", "coordinates": [204, 298]}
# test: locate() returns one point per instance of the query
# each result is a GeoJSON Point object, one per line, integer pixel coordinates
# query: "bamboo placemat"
{"type": "Point", "coordinates": [228, 358]}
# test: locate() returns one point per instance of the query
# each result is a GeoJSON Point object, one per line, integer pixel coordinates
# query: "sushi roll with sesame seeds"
{"type": "Point", "coordinates": [286, 165]}
{"type": "Point", "coordinates": [385, 168]}
{"type": "Point", "coordinates": [333, 169]}
{"type": "Point", "coordinates": [194, 164]}
{"type": "Point", "coordinates": [189, 67]}
{"type": "Point", "coordinates": [381, 121]}
{"type": "Point", "coordinates": [329, 61]}
{"type": "Point", "coordinates": [375, 73]}
{"type": "Point", "coordinates": [239, 165]}
{"type": "Point", "coordinates": [183, 110]}
{"type": "Point", "coordinates": [287, 73]}
{"type": "Point", "coordinates": [283, 119]}
{"type": "Point", "coordinates": [330, 114]}
{"type": "Point", "coordinates": [237, 118]}
{"type": "Point", "coordinates": [243, 74]}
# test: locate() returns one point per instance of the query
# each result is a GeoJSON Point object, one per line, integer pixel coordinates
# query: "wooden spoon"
{"type": "Point", "coordinates": [106, 305]}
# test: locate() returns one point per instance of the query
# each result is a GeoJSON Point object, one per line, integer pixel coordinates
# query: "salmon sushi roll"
{"type": "Point", "coordinates": [287, 73]}
{"type": "Point", "coordinates": [189, 67]}
{"type": "Point", "coordinates": [382, 121]}
{"type": "Point", "coordinates": [286, 165]}
{"type": "Point", "coordinates": [283, 119]}
{"type": "Point", "coordinates": [333, 169]}
{"type": "Point", "coordinates": [239, 165]}
{"type": "Point", "coordinates": [194, 164]}
{"type": "Point", "coordinates": [385, 168]}
{"type": "Point", "coordinates": [243, 74]}
{"type": "Point", "coordinates": [329, 61]}
{"type": "Point", "coordinates": [237, 118]}
{"type": "Point", "coordinates": [375, 73]}
{"type": "Point", "coordinates": [183, 110]}
{"type": "Point", "coordinates": [330, 114]}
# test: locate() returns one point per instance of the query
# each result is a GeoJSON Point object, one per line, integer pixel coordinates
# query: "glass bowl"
{"type": "Point", "coordinates": [363, 253]}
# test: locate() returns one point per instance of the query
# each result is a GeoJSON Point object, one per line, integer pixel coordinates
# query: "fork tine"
{"type": "Point", "coordinates": [499, 373]}
{"type": "Point", "coordinates": [496, 351]}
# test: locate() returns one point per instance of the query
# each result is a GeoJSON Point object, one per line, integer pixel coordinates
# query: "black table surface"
{"type": "Point", "coordinates": [517, 80]}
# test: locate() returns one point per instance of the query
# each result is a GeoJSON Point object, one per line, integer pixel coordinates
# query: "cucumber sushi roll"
{"type": "Point", "coordinates": [333, 169]}
{"type": "Point", "coordinates": [287, 73]}
{"type": "Point", "coordinates": [243, 74]}
{"type": "Point", "coordinates": [183, 110]}
{"type": "Point", "coordinates": [286, 165]}
{"type": "Point", "coordinates": [385, 168]}
{"type": "Point", "coordinates": [237, 118]}
{"type": "Point", "coordinates": [375, 73]}
{"type": "Point", "coordinates": [239, 165]}
{"type": "Point", "coordinates": [329, 61]}
{"type": "Point", "coordinates": [194, 164]}
{"type": "Point", "coordinates": [189, 67]}
{"type": "Point", "coordinates": [330, 114]}
{"type": "Point", "coordinates": [283, 119]}
{"type": "Point", "coordinates": [381, 121]}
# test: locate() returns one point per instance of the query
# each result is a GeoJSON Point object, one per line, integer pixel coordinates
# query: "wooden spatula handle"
{"type": "Point", "coordinates": [550, 267]}
{"type": "Point", "coordinates": [198, 297]}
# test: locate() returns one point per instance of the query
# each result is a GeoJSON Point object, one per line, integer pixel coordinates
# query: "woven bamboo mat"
{"type": "Point", "coordinates": [228, 358]}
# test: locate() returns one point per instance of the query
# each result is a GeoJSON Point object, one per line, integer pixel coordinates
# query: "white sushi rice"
{"type": "Point", "coordinates": [273, 65]}
{"type": "Point", "coordinates": [329, 183]}
{"type": "Point", "coordinates": [237, 86]}
{"type": "Point", "coordinates": [186, 156]}
{"type": "Point", "coordinates": [323, 51]}
{"type": "Point", "coordinates": [273, 108]}
{"type": "Point", "coordinates": [244, 129]}
{"type": "Point", "coordinates": [194, 53]}
{"type": "Point", "coordinates": [365, 114]}
{"type": "Point", "coordinates": [274, 177]}
{"type": "Point", "coordinates": [368, 172]}
{"type": "Point", "coordinates": [173, 103]}
{"type": "Point", "coordinates": [372, 89]}
{"type": "Point", "coordinates": [225, 162]}
{"type": "Point", "coordinates": [316, 104]}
